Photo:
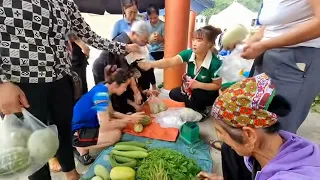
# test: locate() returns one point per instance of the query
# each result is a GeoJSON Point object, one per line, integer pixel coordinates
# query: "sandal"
{"type": "Point", "coordinates": [55, 165]}
{"type": "Point", "coordinates": [216, 144]}
{"type": "Point", "coordinates": [85, 159]}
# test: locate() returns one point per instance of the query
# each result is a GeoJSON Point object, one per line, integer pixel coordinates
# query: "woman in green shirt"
{"type": "Point", "coordinates": [201, 82]}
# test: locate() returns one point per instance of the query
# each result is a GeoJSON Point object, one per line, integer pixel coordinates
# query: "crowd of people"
{"type": "Point", "coordinates": [43, 69]}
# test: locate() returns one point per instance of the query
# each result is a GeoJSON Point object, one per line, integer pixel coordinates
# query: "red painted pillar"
{"type": "Point", "coordinates": [192, 23]}
{"type": "Point", "coordinates": [176, 38]}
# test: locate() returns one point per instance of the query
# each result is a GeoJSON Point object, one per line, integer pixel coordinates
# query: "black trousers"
{"type": "Point", "coordinates": [200, 98]}
{"type": "Point", "coordinates": [53, 100]}
{"type": "Point", "coordinates": [81, 70]}
{"type": "Point", "coordinates": [119, 103]}
{"type": "Point", "coordinates": [233, 166]}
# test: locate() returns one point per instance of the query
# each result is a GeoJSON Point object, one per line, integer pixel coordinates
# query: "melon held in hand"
{"type": "Point", "coordinates": [43, 145]}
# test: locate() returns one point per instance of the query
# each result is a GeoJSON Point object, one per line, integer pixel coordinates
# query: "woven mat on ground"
{"type": "Point", "coordinates": [200, 152]}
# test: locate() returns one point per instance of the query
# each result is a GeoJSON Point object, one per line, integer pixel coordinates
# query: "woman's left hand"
{"type": "Point", "coordinates": [137, 98]}
{"type": "Point", "coordinates": [136, 117]}
{"type": "Point", "coordinates": [253, 50]}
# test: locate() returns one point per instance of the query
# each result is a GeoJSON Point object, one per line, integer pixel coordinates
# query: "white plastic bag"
{"type": "Point", "coordinates": [156, 105]}
{"type": "Point", "coordinates": [233, 66]}
{"type": "Point", "coordinates": [134, 56]}
{"type": "Point", "coordinates": [26, 145]}
{"type": "Point", "coordinates": [176, 117]}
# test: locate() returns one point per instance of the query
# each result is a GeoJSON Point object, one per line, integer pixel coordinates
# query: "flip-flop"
{"type": "Point", "coordinates": [214, 143]}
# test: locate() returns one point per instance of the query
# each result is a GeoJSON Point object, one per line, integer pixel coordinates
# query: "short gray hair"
{"type": "Point", "coordinates": [140, 27]}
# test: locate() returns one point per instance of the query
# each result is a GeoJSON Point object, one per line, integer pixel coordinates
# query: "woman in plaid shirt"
{"type": "Point", "coordinates": [35, 65]}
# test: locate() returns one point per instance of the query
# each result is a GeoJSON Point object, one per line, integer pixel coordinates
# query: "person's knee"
{"type": "Point", "coordinates": [175, 94]}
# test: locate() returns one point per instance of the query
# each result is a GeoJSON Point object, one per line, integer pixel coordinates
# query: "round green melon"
{"type": "Point", "coordinates": [43, 145]}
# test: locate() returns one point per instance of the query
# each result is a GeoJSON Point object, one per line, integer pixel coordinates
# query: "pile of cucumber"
{"type": "Point", "coordinates": [123, 159]}
{"type": "Point", "coordinates": [124, 154]}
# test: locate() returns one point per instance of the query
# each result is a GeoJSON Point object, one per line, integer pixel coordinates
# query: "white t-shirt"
{"type": "Point", "coordinates": [279, 16]}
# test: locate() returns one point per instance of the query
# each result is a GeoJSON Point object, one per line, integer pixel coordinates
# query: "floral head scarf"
{"type": "Point", "coordinates": [245, 103]}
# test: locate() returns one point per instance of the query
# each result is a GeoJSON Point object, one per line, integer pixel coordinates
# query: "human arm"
{"type": "Point", "coordinates": [256, 36]}
{"type": "Point", "coordinates": [85, 49]}
{"type": "Point", "coordinates": [136, 91]}
{"type": "Point", "coordinates": [207, 176]}
{"type": "Point", "coordinates": [12, 98]}
{"type": "Point", "coordinates": [115, 30]}
{"type": "Point", "coordinates": [84, 32]}
{"type": "Point", "coordinates": [160, 64]}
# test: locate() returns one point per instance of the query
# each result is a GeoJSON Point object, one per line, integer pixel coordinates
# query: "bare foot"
{"type": "Point", "coordinates": [72, 175]}
{"type": "Point", "coordinates": [54, 165]}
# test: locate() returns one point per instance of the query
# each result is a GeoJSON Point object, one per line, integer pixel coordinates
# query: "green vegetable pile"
{"type": "Point", "coordinates": [167, 164]}
{"type": "Point", "coordinates": [315, 107]}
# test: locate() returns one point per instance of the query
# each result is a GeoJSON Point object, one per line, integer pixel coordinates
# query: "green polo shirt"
{"type": "Point", "coordinates": [209, 67]}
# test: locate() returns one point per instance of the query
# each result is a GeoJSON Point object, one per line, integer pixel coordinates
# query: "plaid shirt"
{"type": "Point", "coordinates": [33, 47]}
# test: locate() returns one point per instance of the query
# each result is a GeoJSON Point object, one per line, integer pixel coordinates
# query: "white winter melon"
{"type": "Point", "coordinates": [43, 145]}
{"type": "Point", "coordinates": [233, 36]}
{"type": "Point", "coordinates": [19, 137]}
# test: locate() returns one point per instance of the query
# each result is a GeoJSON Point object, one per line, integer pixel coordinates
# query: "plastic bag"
{"type": "Point", "coordinates": [176, 117]}
{"type": "Point", "coordinates": [234, 66]}
{"type": "Point", "coordinates": [156, 105]}
{"type": "Point", "coordinates": [26, 145]}
{"type": "Point", "coordinates": [134, 56]}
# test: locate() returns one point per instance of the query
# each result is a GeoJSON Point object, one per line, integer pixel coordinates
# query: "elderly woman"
{"type": "Point", "coordinates": [290, 41]}
{"type": "Point", "coordinates": [133, 97]}
{"type": "Point", "coordinates": [246, 117]}
{"type": "Point", "coordinates": [35, 67]}
{"type": "Point", "coordinates": [130, 11]}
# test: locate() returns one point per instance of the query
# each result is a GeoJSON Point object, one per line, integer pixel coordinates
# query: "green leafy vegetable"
{"type": "Point", "coordinates": [315, 107]}
{"type": "Point", "coordinates": [167, 164]}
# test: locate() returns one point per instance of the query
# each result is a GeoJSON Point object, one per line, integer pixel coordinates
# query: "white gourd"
{"type": "Point", "coordinates": [43, 145]}
{"type": "Point", "coordinates": [233, 36]}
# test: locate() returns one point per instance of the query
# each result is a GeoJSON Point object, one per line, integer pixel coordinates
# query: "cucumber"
{"type": "Point", "coordinates": [114, 163]}
{"type": "Point", "coordinates": [122, 159]}
{"type": "Point", "coordinates": [133, 143]}
{"type": "Point", "coordinates": [102, 172]}
{"type": "Point", "coordinates": [131, 154]}
{"type": "Point", "coordinates": [97, 178]}
{"type": "Point", "coordinates": [14, 160]}
{"type": "Point", "coordinates": [128, 148]}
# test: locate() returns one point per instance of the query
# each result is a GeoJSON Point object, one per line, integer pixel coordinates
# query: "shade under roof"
{"type": "Point", "coordinates": [114, 6]}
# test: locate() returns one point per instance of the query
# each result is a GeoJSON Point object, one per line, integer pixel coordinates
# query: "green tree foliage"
{"type": "Point", "coordinates": [253, 5]}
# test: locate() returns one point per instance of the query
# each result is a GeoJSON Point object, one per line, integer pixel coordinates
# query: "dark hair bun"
{"type": "Point", "coordinates": [214, 30]}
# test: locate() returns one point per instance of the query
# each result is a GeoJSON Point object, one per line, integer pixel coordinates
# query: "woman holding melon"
{"type": "Point", "coordinates": [289, 44]}
{"type": "Point", "coordinates": [94, 123]}
{"type": "Point", "coordinates": [201, 82]}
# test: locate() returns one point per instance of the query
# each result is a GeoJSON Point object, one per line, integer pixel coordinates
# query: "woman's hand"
{"type": "Point", "coordinates": [12, 99]}
{"type": "Point", "coordinates": [194, 84]}
{"type": "Point", "coordinates": [158, 38]}
{"type": "Point", "coordinates": [132, 48]}
{"type": "Point", "coordinates": [206, 176]}
{"type": "Point", "coordinates": [137, 98]}
{"type": "Point", "coordinates": [145, 65]}
{"type": "Point", "coordinates": [253, 50]}
{"type": "Point", "coordinates": [136, 117]}
{"type": "Point", "coordinates": [152, 92]}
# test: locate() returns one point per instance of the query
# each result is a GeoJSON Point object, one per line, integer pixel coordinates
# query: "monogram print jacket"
{"type": "Point", "coordinates": [33, 39]}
